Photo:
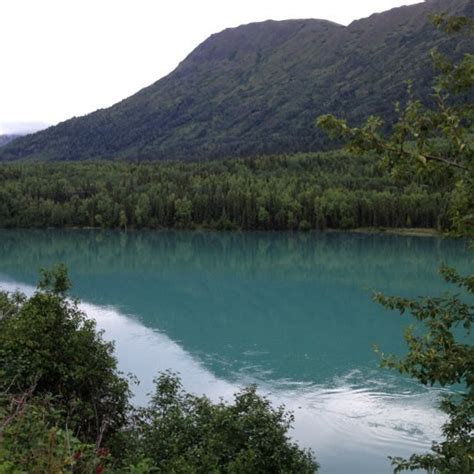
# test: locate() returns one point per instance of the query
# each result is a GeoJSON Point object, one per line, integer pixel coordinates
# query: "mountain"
{"type": "Point", "coordinates": [258, 88]}
{"type": "Point", "coordinates": [4, 139]}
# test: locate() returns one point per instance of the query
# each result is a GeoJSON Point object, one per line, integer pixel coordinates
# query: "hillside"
{"type": "Point", "coordinates": [258, 88]}
{"type": "Point", "coordinates": [4, 139]}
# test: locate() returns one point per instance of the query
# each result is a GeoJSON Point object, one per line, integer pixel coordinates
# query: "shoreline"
{"type": "Point", "coordinates": [403, 231]}
{"type": "Point", "coordinates": [408, 231]}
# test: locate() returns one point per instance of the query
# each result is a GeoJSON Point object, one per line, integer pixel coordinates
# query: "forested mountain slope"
{"type": "Point", "coordinates": [4, 139]}
{"type": "Point", "coordinates": [258, 89]}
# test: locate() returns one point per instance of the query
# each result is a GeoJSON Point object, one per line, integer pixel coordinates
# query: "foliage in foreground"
{"type": "Point", "coordinates": [64, 407]}
{"type": "Point", "coordinates": [49, 347]}
{"type": "Point", "coordinates": [435, 140]}
{"type": "Point", "coordinates": [185, 433]}
{"type": "Point", "coordinates": [443, 355]}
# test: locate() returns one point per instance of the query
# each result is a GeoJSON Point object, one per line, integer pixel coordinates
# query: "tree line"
{"type": "Point", "coordinates": [287, 192]}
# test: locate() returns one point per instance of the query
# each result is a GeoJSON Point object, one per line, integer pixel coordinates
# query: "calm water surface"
{"type": "Point", "coordinates": [290, 312]}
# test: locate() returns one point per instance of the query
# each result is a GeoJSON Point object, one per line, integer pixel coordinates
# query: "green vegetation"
{"type": "Point", "coordinates": [256, 89]}
{"type": "Point", "coordinates": [305, 191]}
{"type": "Point", "coordinates": [431, 141]}
{"type": "Point", "coordinates": [184, 433]}
{"type": "Point", "coordinates": [47, 344]}
{"type": "Point", "coordinates": [64, 407]}
{"type": "Point", "coordinates": [4, 139]}
{"type": "Point", "coordinates": [444, 355]}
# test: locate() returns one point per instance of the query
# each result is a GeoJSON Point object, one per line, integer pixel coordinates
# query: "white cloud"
{"type": "Point", "coordinates": [7, 128]}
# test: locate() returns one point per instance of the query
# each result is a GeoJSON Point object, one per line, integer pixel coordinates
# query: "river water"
{"type": "Point", "coordinates": [289, 312]}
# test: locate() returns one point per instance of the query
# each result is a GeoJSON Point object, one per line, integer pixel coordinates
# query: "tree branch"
{"type": "Point", "coordinates": [428, 158]}
{"type": "Point", "coordinates": [444, 161]}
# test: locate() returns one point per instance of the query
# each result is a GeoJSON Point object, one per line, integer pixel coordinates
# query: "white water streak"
{"type": "Point", "coordinates": [337, 422]}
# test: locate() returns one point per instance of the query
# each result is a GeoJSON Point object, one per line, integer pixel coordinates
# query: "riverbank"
{"type": "Point", "coordinates": [408, 231]}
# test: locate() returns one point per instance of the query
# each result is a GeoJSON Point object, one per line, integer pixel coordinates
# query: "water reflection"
{"type": "Point", "coordinates": [351, 424]}
{"type": "Point", "coordinates": [290, 312]}
{"type": "Point", "coordinates": [284, 306]}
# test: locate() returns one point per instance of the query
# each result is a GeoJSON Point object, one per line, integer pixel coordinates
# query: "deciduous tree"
{"type": "Point", "coordinates": [434, 140]}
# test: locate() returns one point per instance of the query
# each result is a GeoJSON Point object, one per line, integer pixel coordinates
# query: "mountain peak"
{"type": "Point", "coordinates": [253, 38]}
{"type": "Point", "coordinates": [258, 88]}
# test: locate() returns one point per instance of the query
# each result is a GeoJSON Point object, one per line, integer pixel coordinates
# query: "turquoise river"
{"type": "Point", "coordinates": [289, 312]}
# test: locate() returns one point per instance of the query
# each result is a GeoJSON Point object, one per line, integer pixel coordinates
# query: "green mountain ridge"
{"type": "Point", "coordinates": [7, 138]}
{"type": "Point", "coordinates": [258, 88]}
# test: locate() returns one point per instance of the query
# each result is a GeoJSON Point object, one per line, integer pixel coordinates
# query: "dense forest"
{"type": "Point", "coordinates": [297, 192]}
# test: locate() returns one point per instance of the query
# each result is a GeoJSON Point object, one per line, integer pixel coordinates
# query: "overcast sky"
{"type": "Point", "coordinates": [61, 58]}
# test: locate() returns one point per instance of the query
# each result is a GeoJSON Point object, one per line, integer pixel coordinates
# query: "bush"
{"type": "Point", "coordinates": [47, 343]}
{"type": "Point", "coordinates": [32, 439]}
{"type": "Point", "coordinates": [64, 407]}
{"type": "Point", "coordinates": [185, 433]}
